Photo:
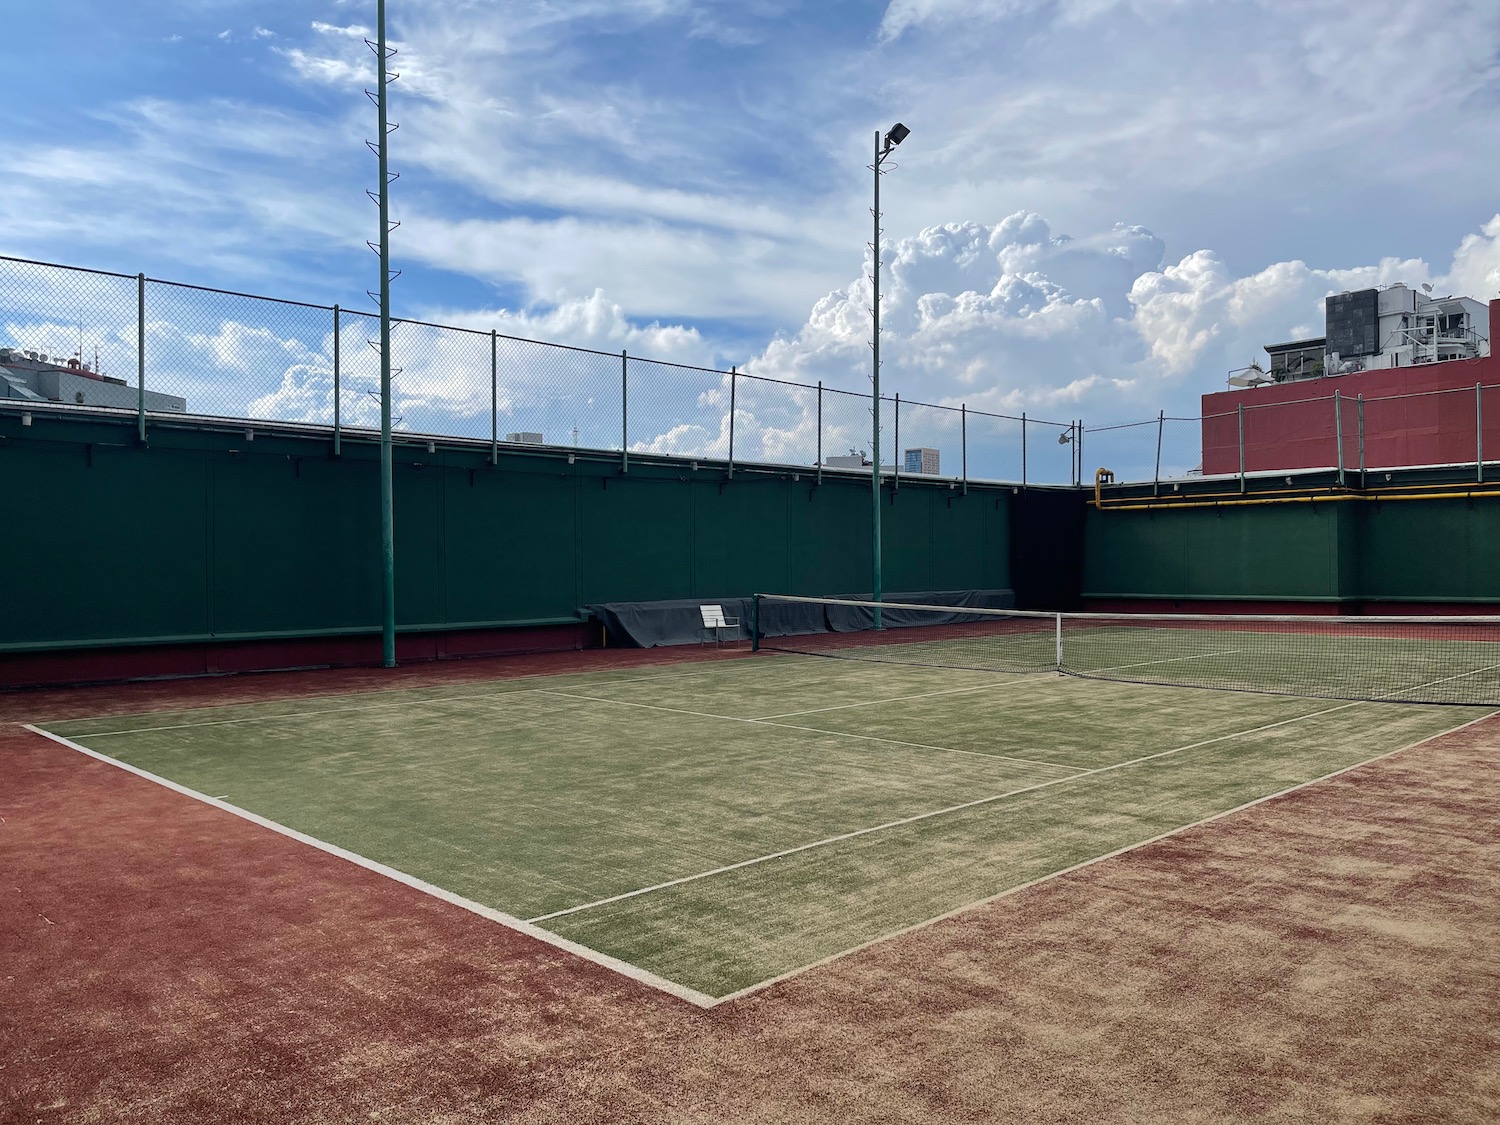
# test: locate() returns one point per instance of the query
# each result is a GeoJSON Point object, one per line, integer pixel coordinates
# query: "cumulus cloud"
{"type": "Point", "coordinates": [1011, 317]}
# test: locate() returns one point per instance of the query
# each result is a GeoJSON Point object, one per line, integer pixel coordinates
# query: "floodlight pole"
{"type": "Point", "coordinates": [875, 395]}
{"type": "Point", "coordinates": [883, 146]}
{"type": "Point", "coordinates": [387, 487]}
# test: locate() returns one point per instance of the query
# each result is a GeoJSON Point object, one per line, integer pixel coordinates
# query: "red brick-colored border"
{"type": "Point", "coordinates": [1328, 956]}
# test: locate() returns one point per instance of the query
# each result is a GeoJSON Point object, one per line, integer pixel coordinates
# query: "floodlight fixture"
{"type": "Point", "coordinates": [898, 133]}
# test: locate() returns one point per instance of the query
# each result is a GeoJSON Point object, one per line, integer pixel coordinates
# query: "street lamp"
{"type": "Point", "coordinates": [897, 133]}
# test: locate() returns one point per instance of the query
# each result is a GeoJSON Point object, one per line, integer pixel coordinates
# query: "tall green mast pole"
{"type": "Point", "coordinates": [875, 389]}
{"type": "Point", "coordinates": [387, 489]}
{"type": "Point", "coordinates": [893, 137]}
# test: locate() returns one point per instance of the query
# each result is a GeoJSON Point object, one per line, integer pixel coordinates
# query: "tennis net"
{"type": "Point", "coordinates": [1447, 660]}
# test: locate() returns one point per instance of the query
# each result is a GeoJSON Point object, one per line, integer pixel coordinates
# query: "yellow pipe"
{"type": "Point", "coordinates": [1101, 478]}
{"type": "Point", "coordinates": [1299, 500]}
{"type": "Point", "coordinates": [1301, 491]}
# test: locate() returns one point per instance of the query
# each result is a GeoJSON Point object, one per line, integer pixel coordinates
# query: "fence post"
{"type": "Point", "coordinates": [337, 390]}
{"type": "Point", "coordinates": [896, 445]}
{"type": "Point", "coordinates": [494, 400]}
{"type": "Point", "coordinates": [820, 431]}
{"type": "Point", "coordinates": [963, 437]}
{"type": "Point", "coordinates": [1079, 443]}
{"type": "Point", "coordinates": [1240, 412]}
{"type": "Point", "coordinates": [1338, 434]}
{"type": "Point", "coordinates": [1161, 424]}
{"type": "Point", "coordinates": [140, 357]}
{"type": "Point", "coordinates": [1479, 432]}
{"type": "Point", "coordinates": [733, 377]}
{"type": "Point", "coordinates": [1360, 411]}
{"type": "Point", "coordinates": [624, 412]}
{"type": "Point", "coordinates": [1023, 449]}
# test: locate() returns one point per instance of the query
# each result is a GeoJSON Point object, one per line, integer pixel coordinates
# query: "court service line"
{"type": "Point", "coordinates": [1168, 660]}
{"type": "Point", "coordinates": [1019, 887]}
{"type": "Point", "coordinates": [877, 702]}
{"type": "Point", "coordinates": [789, 726]}
{"type": "Point", "coordinates": [929, 815]}
{"type": "Point", "coordinates": [624, 968]}
{"type": "Point", "coordinates": [456, 698]}
{"type": "Point", "coordinates": [302, 714]}
{"type": "Point", "coordinates": [919, 745]}
{"type": "Point", "coordinates": [372, 701]}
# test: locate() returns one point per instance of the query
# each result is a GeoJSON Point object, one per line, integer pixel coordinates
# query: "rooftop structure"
{"type": "Point", "coordinates": [1374, 329]}
{"type": "Point", "coordinates": [35, 377]}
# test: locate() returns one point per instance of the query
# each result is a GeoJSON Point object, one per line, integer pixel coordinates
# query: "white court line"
{"type": "Point", "coordinates": [624, 968]}
{"type": "Point", "coordinates": [302, 714]}
{"type": "Point", "coordinates": [832, 957]}
{"type": "Point", "coordinates": [877, 702]}
{"type": "Point", "coordinates": [917, 745]}
{"type": "Point", "coordinates": [790, 726]}
{"type": "Point", "coordinates": [456, 698]}
{"type": "Point", "coordinates": [936, 812]}
{"type": "Point", "coordinates": [1169, 660]}
{"type": "Point", "coordinates": [369, 695]}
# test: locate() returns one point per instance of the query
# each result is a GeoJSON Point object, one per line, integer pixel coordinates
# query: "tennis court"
{"type": "Point", "coordinates": [712, 827]}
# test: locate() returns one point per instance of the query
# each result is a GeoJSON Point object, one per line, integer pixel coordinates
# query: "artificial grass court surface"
{"type": "Point", "coordinates": [554, 798]}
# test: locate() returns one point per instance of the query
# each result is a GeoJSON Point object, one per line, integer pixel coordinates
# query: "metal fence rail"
{"type": "Point", "coordinates": [158, 348]}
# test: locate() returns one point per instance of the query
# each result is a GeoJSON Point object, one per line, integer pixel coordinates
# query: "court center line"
{"type": "Point", "coordinates": [1051, 875]}
{"type": "Point", "coordinates": [929, 815]}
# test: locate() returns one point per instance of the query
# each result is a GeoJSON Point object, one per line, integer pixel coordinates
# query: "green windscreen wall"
{"type": "Point", "coordinates": [1358, 550]}
{"type": "Point", "coordinates": [212, 534]}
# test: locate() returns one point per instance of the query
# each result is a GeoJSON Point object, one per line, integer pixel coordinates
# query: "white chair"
{"type": "Point", "coordinates": [714, 619]}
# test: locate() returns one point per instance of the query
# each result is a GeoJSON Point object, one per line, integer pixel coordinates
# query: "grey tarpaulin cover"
{"type": "Point", "coordinates": [679, 622]}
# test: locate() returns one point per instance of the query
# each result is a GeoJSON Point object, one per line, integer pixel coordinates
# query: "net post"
{"type": "Point", "coordinates": [820, 431]}
{"type": "Point", "coordinates": [494, 401]}
{"type": "Point", "coordinates": [733, 379]}
{"type": "Point", "coordinates": [624, 412]}
{"type": "Point", "coordinates": [1161, 423]}
{"type": "Point", "coordinates": [337, 390]}
{"type": "Point", "coordinates": [1058, 627]}
{"type": "Point", "coordinates": [1338, 435]}
{"type": "Point", "coordinates": [1240, 412]}
{"type": "Point", "coordinates": [140, 357]}
{"type": "Point", "coordinates": [754, 622]}
{"type": "Point", "coordinates": [963, 438]}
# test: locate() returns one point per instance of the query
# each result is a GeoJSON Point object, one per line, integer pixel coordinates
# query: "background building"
{"type": "Point", "coordinates": [921, 461]}
{"type": "Point", "coordinates": [1399, 378]}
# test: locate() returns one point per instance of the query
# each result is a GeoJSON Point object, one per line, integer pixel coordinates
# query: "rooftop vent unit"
{"type": "Point", "coordinates": [524, 438]}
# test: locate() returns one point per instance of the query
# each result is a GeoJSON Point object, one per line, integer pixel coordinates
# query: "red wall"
{"type": "Point", "coordinates": [1291, 425]}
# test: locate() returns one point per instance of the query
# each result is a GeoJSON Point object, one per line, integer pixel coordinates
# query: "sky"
{"type": "Point", "coordinates": [1103, 205]}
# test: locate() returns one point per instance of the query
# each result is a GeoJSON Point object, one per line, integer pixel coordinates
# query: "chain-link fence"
{"type": "Point", "coordinates": [87, 338]}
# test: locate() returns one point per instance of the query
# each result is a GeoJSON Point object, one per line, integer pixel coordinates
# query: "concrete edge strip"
{"type": "Point", "coordinates": [624, 968]}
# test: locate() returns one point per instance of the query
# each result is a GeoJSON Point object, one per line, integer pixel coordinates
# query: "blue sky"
{"type": "Point", "coordinates": [1103, 205]}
